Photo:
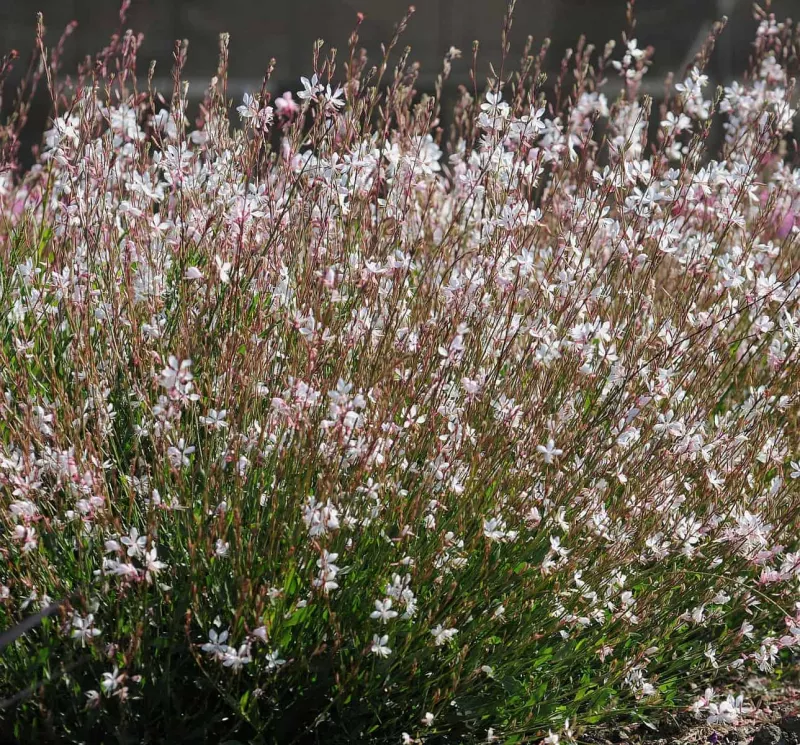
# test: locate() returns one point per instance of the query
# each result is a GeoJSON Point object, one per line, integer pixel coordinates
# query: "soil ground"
{"type": "Point", "coordinates": [773, 720]}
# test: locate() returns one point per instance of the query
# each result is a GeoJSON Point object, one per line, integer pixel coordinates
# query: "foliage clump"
{"type": "Point", "coordinates": [337, 425]}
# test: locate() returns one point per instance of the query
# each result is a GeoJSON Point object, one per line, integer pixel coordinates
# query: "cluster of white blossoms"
{"type": "Point", "coordinates": [518, 406]}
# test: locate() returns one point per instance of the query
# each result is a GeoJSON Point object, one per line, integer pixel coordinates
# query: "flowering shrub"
{"type": "Point", "coordinates": [333, 426]}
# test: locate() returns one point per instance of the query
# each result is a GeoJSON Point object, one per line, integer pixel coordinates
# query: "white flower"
{"type": "Point", "coordinates": [179, 453]}
{"type": "Point", "coordinates": [320, 518]}
{"type": "Point", "coordinates": [236, 659]}
{"type": "Point", "coordinates": [333, 99]}
{"type": "Point", "coordinates": [26, 536]}
{"type": "Point", "coordinates": [441, 635]}
{"type": "Point", "coordinates": [136, 543]}
{"type": "Point", "coordinates": [249, 107]}
{"type": "Point", "coordinates": [216, 646]}
{"type": "Point", "coordinates": [714, 478]}
{"type": "Point", "coordinates": [83, 628]}
{"type": "Point", "coordinates": [495, 530]}
{"type": "Point", "coordinates": [725, 712]}
{"type": "Point", "coordinates": [176, 373]}
{"type": "Point", "coordinates": [604, 652]}
{"type": "Point", "coordinates": [274, 660]}
{"type": "Point", "coordinates": [310, 88]}
{"type": "Point", "coordinates": [765, 657]}
{"type": "Point", "coordinates": [326, 579]}
{"type": "Point", "coordinates": [221, 547]}
{"type": "Point", "coordinates": [215, 419]}
{"type": "Point", "coordinates": [549, 451]}
{"type": "Point", "coordinates": [152, 565]}
{"type": "Point", "coordinates": [93, 699]}
{"type": "Point", "coordinates": [223, 269]}
{"type": "Point", "coordinates": [693, 85]}
{"type": "Point", "coordinates": [383, 610]}
{"type": "Point", "coordinates": [164, 121]}
{"type": "Point", "coordinates": [380, 645]}
{"type": "Point", "coordinates": [110, 681]}
{"type": "Point", "coordinates": [260, 633]}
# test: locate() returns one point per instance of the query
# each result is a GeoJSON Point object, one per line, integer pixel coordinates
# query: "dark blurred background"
{"type": "Point", "coordinates": [261, 29]}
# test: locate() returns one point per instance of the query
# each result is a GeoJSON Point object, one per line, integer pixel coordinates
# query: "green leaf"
{"type": "Point", "coordinates": [297, 616]}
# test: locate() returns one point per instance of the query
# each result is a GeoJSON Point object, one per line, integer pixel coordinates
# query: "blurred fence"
{"type": "Point", "coordinates": [261, 29]}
